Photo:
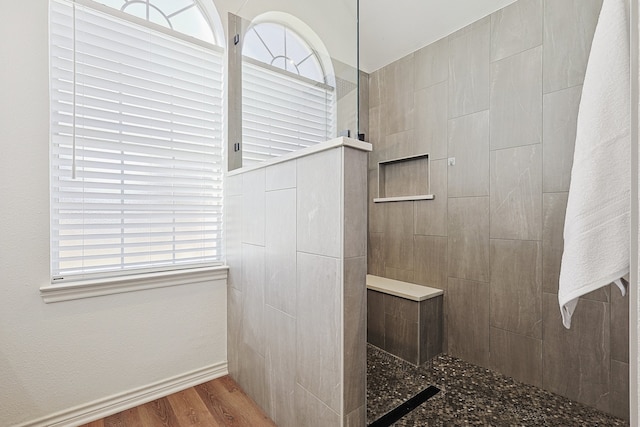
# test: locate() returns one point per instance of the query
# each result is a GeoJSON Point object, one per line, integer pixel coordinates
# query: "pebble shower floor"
{"type": "Point", "coordinates": [469, 396]}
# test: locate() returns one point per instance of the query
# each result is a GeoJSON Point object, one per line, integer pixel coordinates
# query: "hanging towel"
{"type": "Point", "coordinates": [596, 229]}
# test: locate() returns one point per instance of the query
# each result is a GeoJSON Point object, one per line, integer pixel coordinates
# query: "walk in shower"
{"type": "Point", "coordinates": [463, 189]}
{"type": "Point", "coordinates": [495, 105]}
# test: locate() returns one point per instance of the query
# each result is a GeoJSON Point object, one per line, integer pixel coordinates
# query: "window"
{"type": "Point", "coordinates": [287, 103]}
{"type": "Point", "coordinates": [136, 138]}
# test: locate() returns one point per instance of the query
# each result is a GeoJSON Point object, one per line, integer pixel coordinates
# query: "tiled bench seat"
{"type": "Point", "coordinates": [404, 319]}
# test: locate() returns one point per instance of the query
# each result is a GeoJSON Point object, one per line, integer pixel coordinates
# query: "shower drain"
{"type": "Point", "coordinates": [406, 407]}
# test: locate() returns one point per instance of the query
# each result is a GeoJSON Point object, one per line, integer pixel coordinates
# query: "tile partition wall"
{"type": "Point", "coordinates": [296, 245]}
{"type": "Point", "coordinates": [501, 97]}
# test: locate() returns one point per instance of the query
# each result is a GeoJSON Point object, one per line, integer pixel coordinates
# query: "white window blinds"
{"type": "Point", "coordinates": [282, 112]}
{"type": "Point", "coordinates": [136, 153]}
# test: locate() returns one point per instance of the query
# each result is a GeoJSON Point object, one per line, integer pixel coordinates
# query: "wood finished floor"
{"type": "Point", "coordinates": [220, 402]}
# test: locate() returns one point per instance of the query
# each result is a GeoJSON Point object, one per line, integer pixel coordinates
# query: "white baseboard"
{"type": "Point", "coordinates": [104, 407]}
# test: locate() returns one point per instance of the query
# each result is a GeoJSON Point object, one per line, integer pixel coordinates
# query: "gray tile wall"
{"type": "Point", "coordinates": [410, 330]}
{"type": "Point", "coordinates": [501, 96]}
{"type": "Point", "coordinates": [296, 234]}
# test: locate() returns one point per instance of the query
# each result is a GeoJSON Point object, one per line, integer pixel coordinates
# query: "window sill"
{"type": "Point", "coordinates": [138, 282]}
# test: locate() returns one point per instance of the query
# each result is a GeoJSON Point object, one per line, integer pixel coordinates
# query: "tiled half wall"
{"type": "Point", "coordinates": [296, 243]}
{"type": "Point", "coordinates": [501, 97]}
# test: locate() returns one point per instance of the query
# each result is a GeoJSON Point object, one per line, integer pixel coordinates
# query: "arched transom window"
{"type": "Point", "coordinates": [183, 16]}
{"type": "Point", "coordinates": [281, 47]}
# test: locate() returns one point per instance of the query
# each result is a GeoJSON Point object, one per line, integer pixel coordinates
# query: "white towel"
{"type": "Point", "coordinates": [596, 230]}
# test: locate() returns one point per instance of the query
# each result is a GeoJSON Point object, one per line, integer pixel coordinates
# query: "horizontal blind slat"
{"type": "Point", "coordinates": [195, 111]}
{"type": "Point", "coordinates": [90, 136]}
{"type": "Point", "coordinates": [281, 113]}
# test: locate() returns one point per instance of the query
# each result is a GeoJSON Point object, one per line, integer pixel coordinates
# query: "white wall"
{"type": "Point", "coordinates": [55, 356]}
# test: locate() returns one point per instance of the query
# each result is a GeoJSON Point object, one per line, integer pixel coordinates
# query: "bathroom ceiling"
{"type": "Point", "coordinates": [390, 30]}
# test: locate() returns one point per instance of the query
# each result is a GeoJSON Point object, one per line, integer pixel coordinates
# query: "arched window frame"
{"type": "Point", "coordinates": [256, 35]}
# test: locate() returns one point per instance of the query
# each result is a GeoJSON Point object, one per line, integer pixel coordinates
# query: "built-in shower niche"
{"type": "Point", "coordinates": [404, 178]}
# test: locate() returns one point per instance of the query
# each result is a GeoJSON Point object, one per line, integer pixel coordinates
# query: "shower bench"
{"type": "Point", "coordinates": [404, 319]}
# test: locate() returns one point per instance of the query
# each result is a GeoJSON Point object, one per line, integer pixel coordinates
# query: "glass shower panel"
{"type": "Point", "coordinates": [293, 75]}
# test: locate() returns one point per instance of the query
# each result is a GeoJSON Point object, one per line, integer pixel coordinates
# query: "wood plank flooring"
{"type": "Point", "coordinates": [217, 403]}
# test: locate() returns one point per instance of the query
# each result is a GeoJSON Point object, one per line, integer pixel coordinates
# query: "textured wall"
{"type": "Point", "coordinates": [296, 240]}
{"type": "Point", "coordinates": [501, 96]}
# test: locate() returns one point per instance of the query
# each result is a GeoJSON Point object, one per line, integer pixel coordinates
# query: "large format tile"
{"type": "Point", "coordinates": [431, 215]}
{"type": "Point", "coordinates": [431, 64]}
{"type": "Point", "coordinates": [516, 28]}
{"type": "Point", "coordinates": [234, 330]}
{"type": "Point", "coordinates": [471, 28]}
{"type": "Point", "coordinates": [375, 88]}
{"type": "Point", "coordinates": [233, 185]}
{"type": "Point", "coordinates": [319, 210]}
{"type": "Point", "coordinates": [393, 146]}
{"type": "Point", "coordinates": [516, 193]}
{"type": "Point", "coordinates": [469, 145]}
{"type": "Point", "coordinates": [397, 90]}
{"type": "Point", "coordinates": [280, 250]}
{"type": "Point", "coordinates": [401, 307]}
{"type": "Point", "coordinates": [253, 269]}
{"type": "Point", "coordinates": [576, 360]}
{"type": "Point", "coordinates": [279, 358]}
{"type": "Point", "coordinates": [253, 207]}
{"type": "Point", "coordinates": [375, 254]}
{"type": "Point", "coordinates": [397, 77]}
{"type": "Point", "coordinates": [357, 417]}
{"type": "Point", "coordinates": [469, 238]}
{"type": "Point", "coordinates": [312, 412]}
{"type": "Point", "coordinates": [376, 210]}
{"type": "Point", "coordinates": [516, 356]}
{"type": "Point", "coordinates": [431, 327]}
{"type": "Point", "coordinates": [319, 337]}
{"type": "Point", "coordinates": [559, 137]}
{"type": "Point", "coordinates": [469, 69]}
{"type": "Point", "coordinates": [568, 32]}
{"type": "Point", "coordinates": [355, 331]}
{"type": "Point", "coordinates": [375, 318]}
{"type": "Point", "coordinates": [468, 320]}
{"type": "Point", "coordinates": [355, 203]}
{"type": "Point", "coordinates": [398, 274]}
{"type": "Point", "coordinates": [516, 286]}
{"type": "Point", "coordinates": [376, 134]}
{"type": "Point", "coordinates": [252, 375]}
{"type": "Point", "coordinates": [233, 239]}
{"type": "Point", "coordinates": [431, 120]}
{"type": "Point", "coordinates": [516, 100]}
{"type": "Point", "coordinates": [430, 261]}
{"type": "Point", "coordinates": [619, 325]}
{"type": "Point", "coordinates": [554, 206]}
{"type": "Point", "coordinates": [280, 176]}
{"type": "Point", "coordinates": [398, 235]}
{"type": "Point", "coordinates": [401, 327]}
{"type": "Point", "coordinates": [445, 320]}
{"type": "Point", "coordinates": [620, 389]}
